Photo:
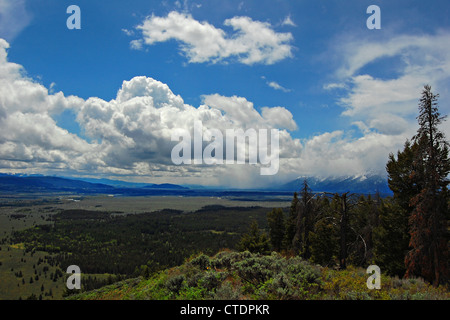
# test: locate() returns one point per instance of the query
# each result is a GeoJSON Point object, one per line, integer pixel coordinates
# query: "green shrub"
{"type": "Point", "coordinates": [175, 283]}
{"type": "Point", "coordinates": [226, 291]}
{"type": "Point", "coordinates": [225, 259]}
{"type": "Point", "coordinates": [244, 275]}
{"type": "Point", "coordinates": [201, 261]}
{"type": "Point", "coordinates": [192, 293]}
{"type": "Point", "coordinates": [254, 270]}
{"type": "Point", "coordinates": [210, 280]}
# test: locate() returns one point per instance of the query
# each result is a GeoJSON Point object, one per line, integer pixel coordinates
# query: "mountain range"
{"type": "Point", "coordinates": [45, 184]}
{"type": "Point", "coordinates": [16, 184]}
{"type": "Point", "coordinates": [366, 184]}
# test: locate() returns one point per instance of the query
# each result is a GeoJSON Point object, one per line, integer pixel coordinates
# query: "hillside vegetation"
{"type": "Point", "coordinates": [244, 275]}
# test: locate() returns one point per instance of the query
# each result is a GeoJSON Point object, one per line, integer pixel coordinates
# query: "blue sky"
{"type": "Point", "coordinates": [344, 96]}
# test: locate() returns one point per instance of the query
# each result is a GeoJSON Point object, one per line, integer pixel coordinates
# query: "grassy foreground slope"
{"type": "Point", "coordinates": [243, 275]}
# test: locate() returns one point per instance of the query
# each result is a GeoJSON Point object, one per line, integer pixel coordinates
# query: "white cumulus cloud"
{"type": "Point", "coordinates": [129, 136]}
{"type": "Point", "coordinates": [251, 41]}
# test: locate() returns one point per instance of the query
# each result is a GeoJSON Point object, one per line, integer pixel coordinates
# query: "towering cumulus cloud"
{"type": "Point", "coordinates": [28, 134]}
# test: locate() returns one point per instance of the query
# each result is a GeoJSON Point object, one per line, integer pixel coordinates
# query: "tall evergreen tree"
{"type": "Point", "coordinates": [324, 242]}
{"type": "Point", "coordinates": [392, 235]}
{"type": "Point", "coordinates": [344, 229]}
{"type": "Point", "coordinates": [306, 209]}
{"type": "Point", "coordinates": [364, 220]}
{"type": "Point", "coordinates": [291, 224]}
{"type": "Point", "coordinates": [391, 238]}
{"type": "Point", "coordinates": [275, 221]}
{"type": "Point", "coordinates": [254, 240]}
{"type": "Point", "coordinates": [401, 179]}
{"type": "Point", "coordinates": [428, 222]}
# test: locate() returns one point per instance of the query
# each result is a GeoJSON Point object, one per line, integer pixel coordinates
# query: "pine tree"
{"type": "Point", "coordinates": [401, 179]}
{"type": "Point", "coordinates": [364, 220]}
{"type": "Point", "coordinates": [275, 220]}
{"type": "Point", "coordinates": [324, 242]}
{"type": "Point", "coordinates": [391, 238]}
{"type": "Point", "coordinates": [306, 210]}
{"type": "Point", "coordinates": [428, 222]}
{"type": "Point", "coordinates": [291, 224]}
{"type": "Point", "coordinates": [343, 229]}
{"type": "Point", "coordinates": [254, 240]}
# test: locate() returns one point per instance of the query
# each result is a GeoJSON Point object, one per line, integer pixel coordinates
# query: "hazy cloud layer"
{"type": "Point", "coordinates": [384, 109]}
{"type": "Point", "coordinates": [419, 60]}
{"type": "Point", "coordinates": [13, 18]}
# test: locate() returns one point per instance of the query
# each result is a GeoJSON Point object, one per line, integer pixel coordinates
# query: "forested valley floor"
{"type": "Point", "coordinates": [206, 251]}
